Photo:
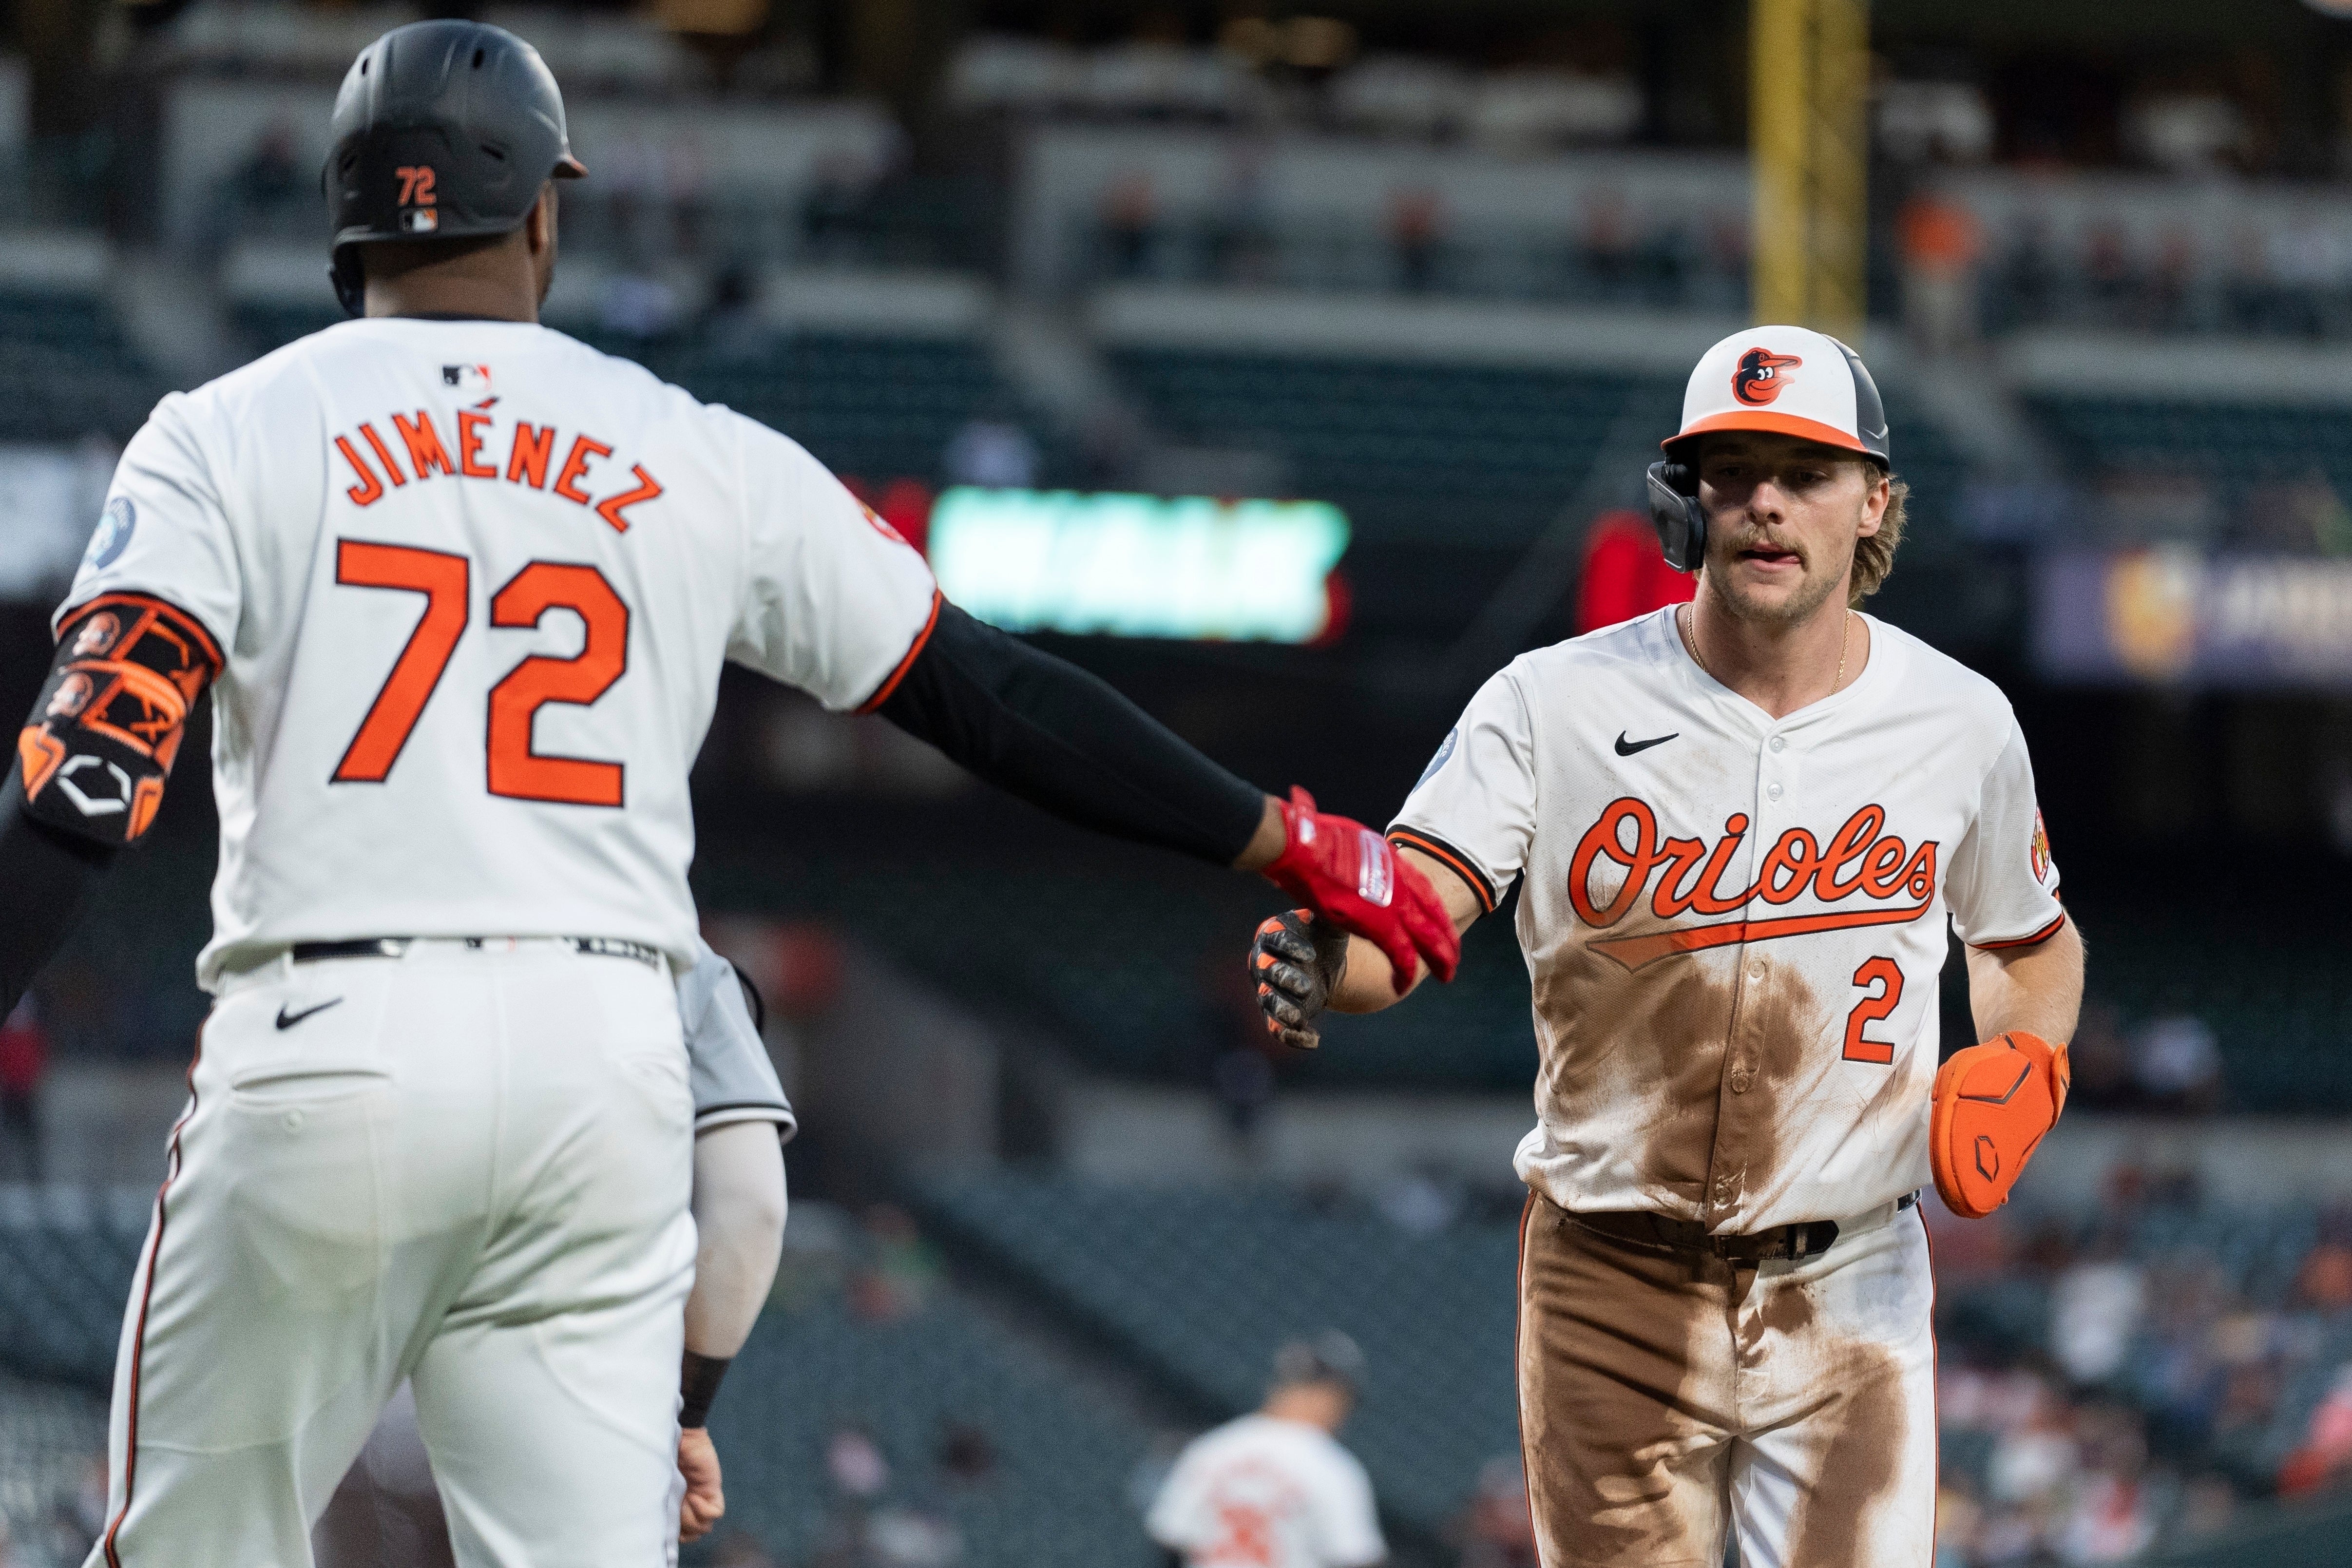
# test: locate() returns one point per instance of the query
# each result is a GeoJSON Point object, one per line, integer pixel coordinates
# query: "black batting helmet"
{"type": "Point", "coordinates": [442, 131]}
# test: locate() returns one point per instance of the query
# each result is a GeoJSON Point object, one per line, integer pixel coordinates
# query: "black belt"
{"type": "Point", "coordinates": [394, 946]}
{"type": "Point", "coordinates": [1808, 1239]}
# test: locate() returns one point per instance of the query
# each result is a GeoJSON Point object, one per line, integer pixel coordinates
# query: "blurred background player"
{"type": "Point", "coordinates": [1275, 1488]}
{"type": "Point", "coordinates": [1743, 823]}
{"type": "Point", "coordinates": [387, 1511]}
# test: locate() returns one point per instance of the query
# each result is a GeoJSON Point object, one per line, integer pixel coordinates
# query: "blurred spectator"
{"type": "Point", "coordinates": [854, 1464]}
{"type": "Point", "coordinates": [731, 327]}
{"type": "Point", "coordinates": [2205, 1504]}
{"type": "Point", "coordinates": [966, 1455]}
{"type": "Point", "coordinates": [1241, 230]}
{"type": "Point", "coordinates": [2107, 270]}
{"type": "Point", "coordinates": [1941, 243]}
{"type": "Point", "coordinates": [2035, 1460]}
{"type": "Point", "coordinates": [2030, 272]}
{"type": "Point", "coordinates": [271, 182]}
{"type": "Point", "coordinates": [1960, 1520]}
{"type": "Point", "coordinates": [2095, 1308]}
{"type": "Point", "coordinates": [902, 1271]}
{"type": "Point", "coordinates": [2178, 1064]}
{"type": "Point", "coordinates": [1130, 212]}
{"type": "Point", "coordinates": [1624, 573]}
{"type": "Point", "coordinates": [740, 1550]}
{"type": "Point", "coordinates": [1609, 242]}
{"type": "Point", "coordinates": [637, 305]}
{"type": "Point", "coordinates": [1497, 1530]}
{"type": "Point", "coordinates": [832, 213]}
{"type": "Point", "coordinates": [913, 1538]}
{"type": "Point", "coordinates": [2325, 1456]}
{"type": "Point", "coordinates": [1242, 1080]}
{"type": "Point", "coordinates": [1416, 226]}
{"type": "Point", "coordinates": [2101, 1060]}
{"type": "Point", "coordinates": [2324, 1281]}
{"type": "Point", "coordinates": [24, 1064]}
{"type": "Point", "coordinates": [1419, 1204]}
{"type": "Point", "coordinates": [991, 450]}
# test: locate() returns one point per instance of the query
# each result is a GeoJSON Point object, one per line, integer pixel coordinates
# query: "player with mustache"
{"type": "Point", "coordinates": [1739, 826]}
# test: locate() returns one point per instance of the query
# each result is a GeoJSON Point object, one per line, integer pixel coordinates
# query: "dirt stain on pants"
{"type": "Point", "coordinates": [1668, 1397]}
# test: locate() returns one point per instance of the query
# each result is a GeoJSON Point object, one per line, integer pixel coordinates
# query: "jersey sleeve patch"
{"type": "Point", "coordinates": [1480, 885]}
{"type": "Point", "coordinates": [107, 727]}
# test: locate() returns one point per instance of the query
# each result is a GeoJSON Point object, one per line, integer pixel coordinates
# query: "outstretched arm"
{"type": "Point", "coordinates": [1304, 966]}
{"type": "Point", "coordinates": [1060, 738]}
{"type": "Point", "coordinates": [1362, 988]}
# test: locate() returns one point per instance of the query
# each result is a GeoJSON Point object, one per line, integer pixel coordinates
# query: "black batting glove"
{"type": "Point", "coordinates": [1295, 962]}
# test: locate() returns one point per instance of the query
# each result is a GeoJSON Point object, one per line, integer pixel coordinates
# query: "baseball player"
{"type": "Point", "coordinates": [387, 1512]}
{"type": "Point", "coordinates": [1275, 1488]}
{"type": "Point", "coordinates": [1739, 826]}
{"type": "Point", "coordinates": [461, 588]}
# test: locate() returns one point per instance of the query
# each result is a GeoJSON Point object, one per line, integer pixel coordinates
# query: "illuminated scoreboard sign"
{"type": "Point", "coordinates": [1139, 566]}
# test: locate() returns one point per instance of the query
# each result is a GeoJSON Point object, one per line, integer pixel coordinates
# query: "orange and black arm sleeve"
{"type": "Point", "coordinates": [1043, 729]}
{"type": "Point", "coordinates": [90, 765]}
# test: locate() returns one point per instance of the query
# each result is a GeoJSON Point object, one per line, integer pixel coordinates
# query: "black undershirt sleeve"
{"type": "Point", "coordinates": [1062, 739]}
{"type": "Point", "coordinates": [49, 876]}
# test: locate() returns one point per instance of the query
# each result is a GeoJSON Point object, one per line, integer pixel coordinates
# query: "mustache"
{"type": "Point", "coordinates": [1762, 538]}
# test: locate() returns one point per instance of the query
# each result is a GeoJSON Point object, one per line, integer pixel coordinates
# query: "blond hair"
{"type": "Point", "coordinates": [1873, 557]}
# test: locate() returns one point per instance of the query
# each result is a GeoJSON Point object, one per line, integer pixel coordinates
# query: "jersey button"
{"type": "Point", "coordinates": [1773, 791]}
{"type": "Point", "coordinates": [1740, 1081]}
{"type": "Point", "coordinates": [1780, 744]}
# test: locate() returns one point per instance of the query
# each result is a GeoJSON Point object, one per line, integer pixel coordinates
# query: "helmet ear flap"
{"type": "Point", "coordinates": [1675, 511]}
{"type": "Point", "coordinates": [351, 282]}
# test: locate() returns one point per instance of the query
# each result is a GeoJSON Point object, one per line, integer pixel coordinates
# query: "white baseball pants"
{"type": "Point", "coordinates": [466, 1166]}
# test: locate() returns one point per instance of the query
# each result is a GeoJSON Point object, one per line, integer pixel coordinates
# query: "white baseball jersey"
{"type": "Point", "coordinates": [473, 583]}
{"type": "Point", "coordinates": [1735, 924]}
{"type": "Point", "coordinates": [1263, 1492]}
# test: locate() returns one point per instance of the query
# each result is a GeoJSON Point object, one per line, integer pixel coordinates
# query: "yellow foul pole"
{"type": "Point", "coordinates": [1808, 134]}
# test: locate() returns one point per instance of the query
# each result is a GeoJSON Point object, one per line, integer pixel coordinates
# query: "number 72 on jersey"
{"type": "Point", "coordinates": [513, 768]}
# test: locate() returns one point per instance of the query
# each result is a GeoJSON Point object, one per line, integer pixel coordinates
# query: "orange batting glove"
{"type": "Point", "coordinates": [1993, 1104]}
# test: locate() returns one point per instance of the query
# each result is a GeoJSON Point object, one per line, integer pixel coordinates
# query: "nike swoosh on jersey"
{"type": "Point", "coordinates": [287, 1020]}
{"type": "Point", "coordinates": [1626, 749]}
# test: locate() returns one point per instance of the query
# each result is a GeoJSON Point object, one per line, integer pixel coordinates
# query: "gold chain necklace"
{"type": "Point", "coordinates": [1688, 625]}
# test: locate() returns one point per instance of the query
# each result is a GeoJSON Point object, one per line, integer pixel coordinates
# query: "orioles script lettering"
{"type": "Point", "coordinates": [1861, 860]}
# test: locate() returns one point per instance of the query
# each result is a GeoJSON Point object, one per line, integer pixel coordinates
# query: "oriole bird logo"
{"type": "Point", "coordinates": [1759, 380]}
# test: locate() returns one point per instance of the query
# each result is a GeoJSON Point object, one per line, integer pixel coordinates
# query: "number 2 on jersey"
{"type": "Point", "coordinates": [1887, 977]}
{"type": "Point", "coordinates": [514, 769]}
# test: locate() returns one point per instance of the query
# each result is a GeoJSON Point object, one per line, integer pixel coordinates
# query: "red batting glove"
{"type": "Point", "coordinates": [1348, 874]}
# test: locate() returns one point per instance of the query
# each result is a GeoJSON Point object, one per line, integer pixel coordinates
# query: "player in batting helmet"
{"type": "Point", "coordinates": [442, 131]}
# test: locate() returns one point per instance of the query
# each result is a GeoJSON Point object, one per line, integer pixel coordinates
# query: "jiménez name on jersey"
{"type": "Point", "coordinates": [529, 453]}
